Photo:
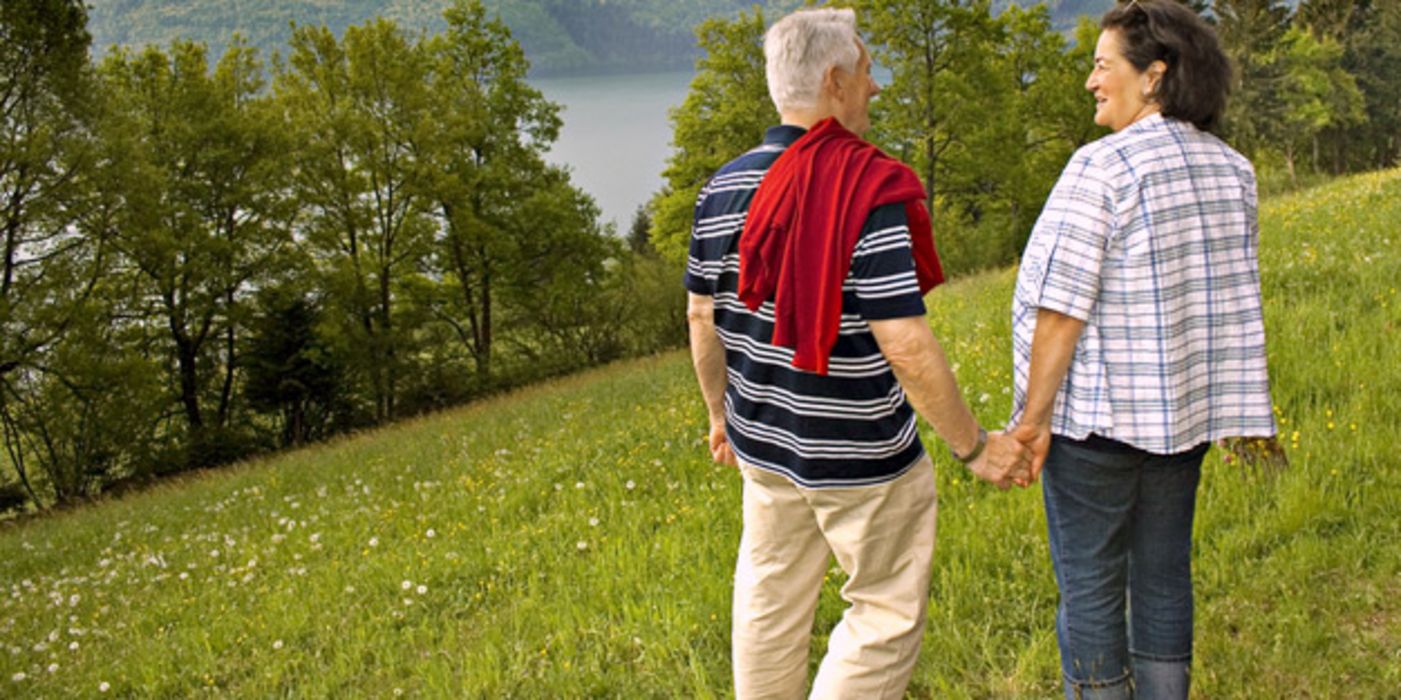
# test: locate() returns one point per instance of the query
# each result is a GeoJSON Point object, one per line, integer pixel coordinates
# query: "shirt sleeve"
{"type": "Point", "coordinates": [702, 263]}
{"type": "Point", "coordinates": [1069, 240]}
{"type": "Point", "coordinates": [883, 267]}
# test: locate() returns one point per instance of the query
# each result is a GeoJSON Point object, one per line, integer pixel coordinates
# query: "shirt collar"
{"type": "Point", "coordinates": [783, 134]}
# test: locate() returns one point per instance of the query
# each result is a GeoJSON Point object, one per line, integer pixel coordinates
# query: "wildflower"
{"type": "Point", "coordinates": [19, 677]}
{"type": "Point", "coordinates": [406, 585]}
{"type": "Point", "coordinates": [73, 646]}
{"type": "Point", "coordinates": [984, 398]}
{"type": "Point", "coordinates": [315, 537]}
{"type": "Point", "coordinates": [593, 522]}
{"type": "Point", "coordinates": [582, 545]}
{"type": "Point", "coordinates": [421, 589]}
{"type": "Point", "coordinates": [630, 484]}
{"type": "Point", "coordinates": [431, 533]}
{"type": "Point", "coordinates": [578, 484]}
{"type": "Point", "coordinates": [53, 668]}
{"type": "Point", "coordinates": [277, 645]}
{"type": "Point", "coordinates": [408, 602]}
{"type": "Point", "coordinates": [103, 687]}
{"type": "Point", "coordinates": [374, 541]}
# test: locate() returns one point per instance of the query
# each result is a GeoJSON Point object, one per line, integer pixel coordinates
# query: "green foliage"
{"type": "Point", "coordinates": [290, 370]}
{"type": "Point", "coordinates": [724, 114]}
{"type": "Point", "coordinates": [197, 169]}
{"type": "Point", "coordinates": [574, 540]}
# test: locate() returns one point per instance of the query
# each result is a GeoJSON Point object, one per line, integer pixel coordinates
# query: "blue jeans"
{"type": "Point", "coordinates": [1120, 526]}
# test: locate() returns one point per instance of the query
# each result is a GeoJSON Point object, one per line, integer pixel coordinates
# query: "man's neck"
{"type": "Point", "coordinates": [804, 119]}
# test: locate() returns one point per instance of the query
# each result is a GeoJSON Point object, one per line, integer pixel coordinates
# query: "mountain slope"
{"type": "Point", "coordinates": [559, 36]}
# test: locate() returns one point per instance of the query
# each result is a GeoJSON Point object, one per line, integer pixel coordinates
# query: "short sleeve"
{"type": "Point", "coordinates": [702, 261]}
{"type": "Point", "coordinates": [883, 267]}
{"type": "Point", "coordinates": [1066, 251]}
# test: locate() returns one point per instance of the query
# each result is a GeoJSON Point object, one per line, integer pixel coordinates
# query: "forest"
{"type": "Point", "coordinates": [559, 36]}
{"type": "Point", "coordinates": [210, 259]}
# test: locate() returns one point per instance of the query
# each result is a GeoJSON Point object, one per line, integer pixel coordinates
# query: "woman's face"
{"type": "Point", "coordinates": [1120, 90]}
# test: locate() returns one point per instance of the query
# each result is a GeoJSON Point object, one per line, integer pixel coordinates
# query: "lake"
{"type": "Point", "coordinates": [616, 135]}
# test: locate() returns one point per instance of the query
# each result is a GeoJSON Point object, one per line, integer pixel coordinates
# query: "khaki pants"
{"type": "Point", "coordinates": [883, 538]}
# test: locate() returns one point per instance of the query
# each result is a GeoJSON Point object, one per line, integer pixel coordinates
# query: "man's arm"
{"type": "Point", "coordinates": [1052, 347]}
{"type": "Point", "coordinates": [923, 372]}
{"type": "Point", "coordinates": [708, 357]}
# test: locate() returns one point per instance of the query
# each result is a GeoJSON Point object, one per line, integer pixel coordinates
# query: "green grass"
{"type": "Point", "coordinates": [573, 540]}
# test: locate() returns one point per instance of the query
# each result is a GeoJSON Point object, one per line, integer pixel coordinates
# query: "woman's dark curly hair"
{"type": "Point", "coordinates": [1198, 75]}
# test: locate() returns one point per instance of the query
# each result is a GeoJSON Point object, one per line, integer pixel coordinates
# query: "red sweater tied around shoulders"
{"type": "Point", "coordinates": [802, 228]}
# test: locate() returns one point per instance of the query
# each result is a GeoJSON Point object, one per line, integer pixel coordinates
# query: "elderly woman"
{"type": "Point", "coordinates": [1137, 340]}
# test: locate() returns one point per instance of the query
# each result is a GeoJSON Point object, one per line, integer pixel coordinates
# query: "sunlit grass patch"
{"type": "Point", "coordinates": [573, 540]}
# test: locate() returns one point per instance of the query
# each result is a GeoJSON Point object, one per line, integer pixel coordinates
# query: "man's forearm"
{"type": "Point", "coordinates": [707, 354]}
{"type": "Point", "coordinates": [923, 372]}
{"type": "Point", "coordinates": [1052, 347]}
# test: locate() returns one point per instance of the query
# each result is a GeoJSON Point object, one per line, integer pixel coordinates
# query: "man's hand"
{"type": "Point", "coordinates": [720, 449]}
{"type": "Point", "coordinates": [1004, 462]}
{"type": "Point", "coordinates": [1037, 439]}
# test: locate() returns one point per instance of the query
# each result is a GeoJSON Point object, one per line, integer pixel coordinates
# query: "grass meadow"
{"type": "Point", "coordinates": [573, 540]}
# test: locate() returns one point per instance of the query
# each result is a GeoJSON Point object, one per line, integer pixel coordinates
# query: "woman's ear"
{"type": "Point", "coordinates": [1153, 78]}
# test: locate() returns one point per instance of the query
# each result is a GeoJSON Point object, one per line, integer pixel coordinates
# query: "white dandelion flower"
{"type": "Point", "coordinates": [19, 677]}
{"type": "Point", "coordinates": [103, 687]}
{"type": "Point", "coordinates": [277, 645]}
{"type": "Point", "coordinates": [593, 522]}
{"type": "Point", "coordinates": [53, 668]}
{"type": "Point", "coordinates": [581, 545]}
{"type": "Point", "coordinates": [630, 484]}
{"type": "Point", "coordinates": [73, 646]}
{"type": "Point", "coordinates": [406, 585]}
{"type": "Point", "coordinates": [421, 589]}
{"type": "Point", "coordinates": [374, 541]}
{"type": "Point", "coordinates": [431, 533]}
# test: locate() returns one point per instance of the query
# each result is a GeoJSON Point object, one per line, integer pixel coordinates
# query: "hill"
{"type": "Point", "coordinates": [559, 36]}
{"type": "Point", "coordinates": [572, 539]}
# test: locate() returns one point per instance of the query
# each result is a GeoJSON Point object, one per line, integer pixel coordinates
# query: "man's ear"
{"type": "Point", "coordinates": [830, 84]}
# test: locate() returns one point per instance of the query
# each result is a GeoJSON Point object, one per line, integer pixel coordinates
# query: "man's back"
{"type": "Point", "coordinates": [849, 427]}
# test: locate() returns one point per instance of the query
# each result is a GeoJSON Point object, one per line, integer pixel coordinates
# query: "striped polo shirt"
{"type": "Point", "coordinates": [850, 427]}
{"type": "Point", "coordinates": [1150, 238]}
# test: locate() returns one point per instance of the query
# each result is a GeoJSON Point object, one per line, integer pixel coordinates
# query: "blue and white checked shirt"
{"type": "Point", "coordinates": [1150, 237]}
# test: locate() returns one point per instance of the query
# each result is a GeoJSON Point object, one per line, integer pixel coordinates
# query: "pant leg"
{"type": "Point", "coordinates": [883, 537]}
{"type": "Point", "coordinates": [778, 575]}
{"type": "Point", "coordinates": [1089, 494]}
{"type": "Point", "coordinates": [1160, 575]}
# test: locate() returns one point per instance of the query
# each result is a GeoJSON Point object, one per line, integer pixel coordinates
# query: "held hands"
{"type": "Point", "coordinates": [1004, 462]}
{"type": "Point", "coordinates": [1037, 439]}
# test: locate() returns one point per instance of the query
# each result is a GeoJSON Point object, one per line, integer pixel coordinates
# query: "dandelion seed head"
{"type": "Point", "coordinates": [582, 545]}
{"type": "Point", "coordinates": [103, 687]}
{"type": "Point", "coordinates": [374, 541]}
{"type": "Point", "coordinates": [19, 677]}
{"type": "Point", "coordinates": [593, 522]}
{"type": "Point", "coordinates": [431, 533]}
{"type": "Point", "coordinates": [277, 644]}
{"type": "Point", "coordinates": [630, 484]}
{"type": "Point", "coordinates": [421, 589]}
{"type": "Point", "coordinates": [406, 585]}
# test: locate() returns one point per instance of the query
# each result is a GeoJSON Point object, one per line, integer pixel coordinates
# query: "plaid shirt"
{"type": "Point", "coordinates": [1150, 238]}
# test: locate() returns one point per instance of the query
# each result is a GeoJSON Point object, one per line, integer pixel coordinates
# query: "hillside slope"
{"type": "Point", "coordinates": [572, 539]}
{"type": "Point", "coordinates": [559, 36]}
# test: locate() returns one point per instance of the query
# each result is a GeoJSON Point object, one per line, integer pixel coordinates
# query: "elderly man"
{"type": "Point", "coordinates": [810, 344]}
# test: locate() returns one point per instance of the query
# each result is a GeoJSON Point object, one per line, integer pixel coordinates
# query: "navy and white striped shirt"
{"type": "Point", "coordinates": [850, 427]}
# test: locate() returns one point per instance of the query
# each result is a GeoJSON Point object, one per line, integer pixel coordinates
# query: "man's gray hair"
{"type": "Point", "coordinates": [799, 49]}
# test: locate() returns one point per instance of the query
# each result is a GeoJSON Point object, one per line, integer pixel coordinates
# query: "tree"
{"type": "Point", "coordinates": [724, 114]}
{"type": "Point", "coordinates": [290, 369]}
{"type": "Point", "coordinates": [1315, 93]}
{"type": "Point", "coordinates": [487, 151]}
{"type": "Point", "coordinates": [52, 234]}
{"type": "Point", "coordinates": [358, 110]}
{"type": "Point", "coordinates": [202, 216]}
{"type": "Point", "coordinates": [1249, 31]}
{"type": "Point", "coordinates": [640, 232]}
